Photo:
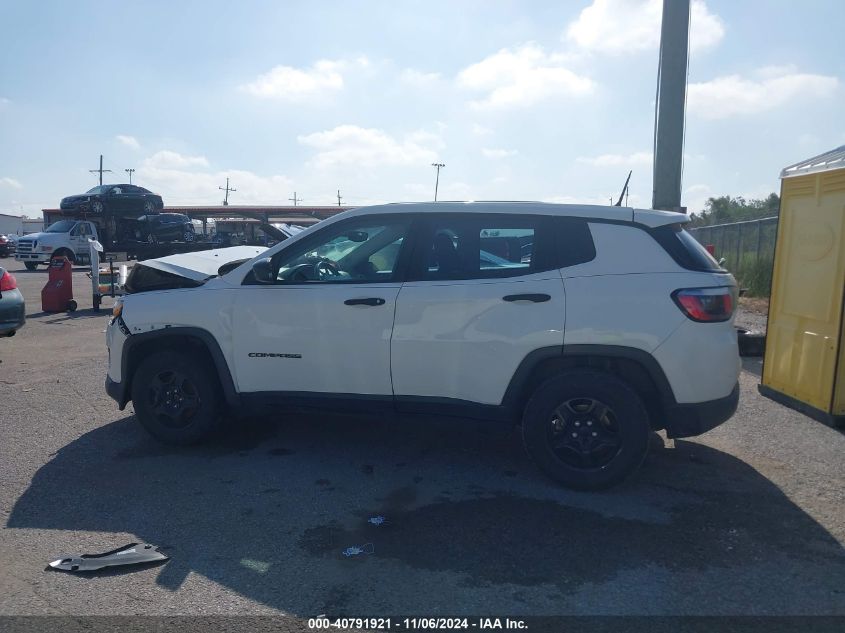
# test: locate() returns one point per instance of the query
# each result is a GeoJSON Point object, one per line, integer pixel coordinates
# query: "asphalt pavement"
{"type": "Point", "coordinates": [747, 519]}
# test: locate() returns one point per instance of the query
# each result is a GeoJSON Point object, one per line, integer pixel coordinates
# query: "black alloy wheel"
{"type": "Point", "coordinates": [584, 433]}
{"type": "Point", "coordinates": [173, 398]}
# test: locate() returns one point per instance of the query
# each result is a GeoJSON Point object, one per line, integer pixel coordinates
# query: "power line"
{"type": "Point", "coordinates": [129, 171]}
{"type": "Point", "coordinates": [295, 199]}
{"type": "Point", "coordinates": [100, 170]}
{"type": "Point", "coordinates": [227, 189]}
{"type": "Point", "coordinates": [437, 180]}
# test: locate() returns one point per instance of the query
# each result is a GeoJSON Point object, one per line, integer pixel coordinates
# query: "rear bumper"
{"type": "Point", "coordinates": [688, 420]}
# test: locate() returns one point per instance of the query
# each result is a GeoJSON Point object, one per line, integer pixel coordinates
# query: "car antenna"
{"type": "Point", "coordinates": [624, 191]}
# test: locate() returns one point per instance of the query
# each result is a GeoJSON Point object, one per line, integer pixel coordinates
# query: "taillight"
{"type": "Point", "coordinates": [706, 305]}
{"type": "Point", "coordinates": [7, 282]}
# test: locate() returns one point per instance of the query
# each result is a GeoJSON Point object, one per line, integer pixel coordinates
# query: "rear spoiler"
{"type": "Point", "coordinates": [653, 218]}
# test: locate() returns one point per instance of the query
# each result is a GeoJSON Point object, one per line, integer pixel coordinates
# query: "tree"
{"type": "Point", "coordinates": [724, 210]}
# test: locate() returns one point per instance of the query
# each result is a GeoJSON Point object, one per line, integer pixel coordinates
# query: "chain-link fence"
{"type": "Point", "coordinates": [748, 249]}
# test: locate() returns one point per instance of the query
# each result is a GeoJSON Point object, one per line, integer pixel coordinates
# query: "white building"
{"type": "Point", "coordinates": [11, 224]}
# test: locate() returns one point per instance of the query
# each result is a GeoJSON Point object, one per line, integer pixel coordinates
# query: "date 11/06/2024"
{"type": "Point", "coordinates": [430, 624]}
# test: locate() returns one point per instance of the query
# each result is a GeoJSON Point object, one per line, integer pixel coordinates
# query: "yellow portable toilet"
{"type": "Point", "coordinates": [804, 364]}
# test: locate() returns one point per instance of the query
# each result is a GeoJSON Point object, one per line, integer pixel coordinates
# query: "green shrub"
{"type": "Point", "coordinates": [754, 275]}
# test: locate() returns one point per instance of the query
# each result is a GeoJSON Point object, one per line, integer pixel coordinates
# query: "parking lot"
{"type": "Point", "coordinates": [747, 519]}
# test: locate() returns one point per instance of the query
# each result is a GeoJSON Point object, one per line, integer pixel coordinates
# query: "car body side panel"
{"type": "Point", "coordinates": [635, 309]}
{"type": "Point", "coordinates": [208, 307]}
{"type": "Point", "coordinates": [701, 360]}
{"type": "Point", "coordinates": [460, 339]}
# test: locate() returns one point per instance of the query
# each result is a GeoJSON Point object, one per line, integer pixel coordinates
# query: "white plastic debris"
{"type": "Point", "coordinates": [366, 548]}
{"type": "Point", "coordinates": [377, 520]}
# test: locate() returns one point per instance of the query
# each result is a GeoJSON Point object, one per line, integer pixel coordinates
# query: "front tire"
{"type": "Point", "coordinates": [586, 429]}
{"type": "Point", "coordinates": [149, 207]}
{"type": "Point", "coordinates": [175, 398]}
{"type": "Point", "coordinates": [152, 238]}
{"type": "Point", "coordinates": [31, 265]}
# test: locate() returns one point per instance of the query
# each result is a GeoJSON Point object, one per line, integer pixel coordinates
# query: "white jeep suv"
{"type": "Point", "coordinates": [590, 326]}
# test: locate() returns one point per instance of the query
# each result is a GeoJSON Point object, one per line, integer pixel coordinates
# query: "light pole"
{"type": "Point", "coordinates": [437, 179]}
{"type": "Point", "coordinates": [129, 171]}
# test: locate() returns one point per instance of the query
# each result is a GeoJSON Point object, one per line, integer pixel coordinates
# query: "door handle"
{"type": "Point", "coordinates": [369, 301]}
{"type": "Point", "coordinates": [535, 298]}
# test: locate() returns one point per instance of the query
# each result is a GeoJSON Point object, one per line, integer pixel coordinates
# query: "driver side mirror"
{"type": "Point", "coordinates": [262, 270]}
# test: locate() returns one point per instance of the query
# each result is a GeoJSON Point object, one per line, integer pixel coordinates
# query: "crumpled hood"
{"type": "Point", "coordinates": [201, 265]}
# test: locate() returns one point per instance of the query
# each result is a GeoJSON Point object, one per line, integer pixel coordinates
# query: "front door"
{"type": "Point", "coordinates": [79, 240]}
{"type": "Point", "coordinates": [324, 326]}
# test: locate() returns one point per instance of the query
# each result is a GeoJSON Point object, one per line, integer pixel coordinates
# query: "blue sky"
{"type": "Point", "coordinates": [521, 100]}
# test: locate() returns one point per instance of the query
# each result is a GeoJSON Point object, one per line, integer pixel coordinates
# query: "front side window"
{"type": "Point", "coordinates": [365, 252]}
{"type": "Point", "coordinates": [62, 226]}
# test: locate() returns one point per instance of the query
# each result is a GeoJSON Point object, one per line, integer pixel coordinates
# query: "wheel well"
{"type": "Point", "coordinates": [191, 345]}
{"type": "Point", "coordinates": [630, 371]}
{"type": "Point", "coordinates": [65, 252]}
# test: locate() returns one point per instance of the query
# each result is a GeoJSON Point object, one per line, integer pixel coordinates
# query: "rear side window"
{"type": "Point", "coordinates": [685, 249]}
{"type": "Point", "coordinates": [483, 246]}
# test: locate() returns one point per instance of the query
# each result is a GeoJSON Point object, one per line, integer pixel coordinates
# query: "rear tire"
{"type": "Point", "coordinates": [175, 398]}
{"type": "Point", "coordinates": [586, 429]}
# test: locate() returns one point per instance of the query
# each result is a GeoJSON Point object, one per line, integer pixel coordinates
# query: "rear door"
{"type": "Point", "coordinates": [483, 292]}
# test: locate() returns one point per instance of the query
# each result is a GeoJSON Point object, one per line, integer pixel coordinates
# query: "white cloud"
{"type": "Point", "coordinates": [10, 183]}
{"type": "Point", "coordinates": [634, 200]}
{"type": "Point", "coordinates": [293, 84]}
{"type": "Point", "coordinates": [617, 160]}
{"type": "Point", "coordinates": [418, 78]}
{"type": "Point", "coordinates": [734, 95]}
{"type": "Point", "coordinates": [129, 141]}
{"type": "Point", "coordinates": [4, 101]}
{"type": "Point", "coordinates": [480, 130]}
{"type": "Point", "coordinates": [695, 196]}
{"type": "Point", "coordinates": [521, 77]}
{"type": "Point", "coordinates": [166, 159]}
{"type": "Point", "coordinates": [353, 145]}
{"type": "Point", "coordinates": [182, 180]}
{"type": "Point", "coordinates": [620, 27]}
{"type": "Point", "coordinates": [496, 153]}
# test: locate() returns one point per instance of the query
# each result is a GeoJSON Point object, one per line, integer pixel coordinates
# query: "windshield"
{"type": "Point", "coordinates": [62, 226]}
{"type": "Point", "coordinates": [100, 189]}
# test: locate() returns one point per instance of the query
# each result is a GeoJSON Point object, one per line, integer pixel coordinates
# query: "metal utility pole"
{"type": "Point", "coordinates": [338, 197]}
{"type": "Point", "coordinates": [437, 179]}
{"type": "Point", "coordinates": [129, 171]}
{"type": "Point", "coordinates": [295, 199]}
{"type": "Point", "coordinates": [227, 189]}
{"type": "Point", "coordinates": [669, 109]}
{"type": "Point", "coordinates": [100, 170]}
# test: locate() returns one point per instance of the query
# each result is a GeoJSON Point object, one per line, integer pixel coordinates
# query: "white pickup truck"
{"type": "Point", "coordinates": [67, 238]}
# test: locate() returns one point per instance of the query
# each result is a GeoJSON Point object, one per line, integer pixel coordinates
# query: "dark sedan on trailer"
{"type": "Point", "coordinates": [128, 199]}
